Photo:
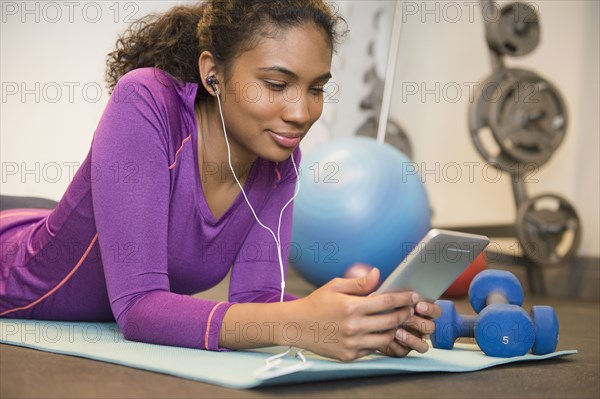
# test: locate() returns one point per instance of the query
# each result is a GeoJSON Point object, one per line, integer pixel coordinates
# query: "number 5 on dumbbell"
{"type": "Point", "coordinates": [502, 328]}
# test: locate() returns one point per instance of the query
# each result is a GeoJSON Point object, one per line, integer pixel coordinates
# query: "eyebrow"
{"type": "Point", "coordinates": [285, 71]}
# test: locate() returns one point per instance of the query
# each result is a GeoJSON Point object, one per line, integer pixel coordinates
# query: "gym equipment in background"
{"type": "Point", "coordinates": [460, 287]}
{"type": "Point", "coordinates": [517, 122]}
{"type": "Point", "coordinates": [502, 328]}
{"type": "Point", "coordinates": [515, 32]}
{"type": "Point", "coordinates": [360, 201]}
{"type": "Point", "coordinates": [394, 134]}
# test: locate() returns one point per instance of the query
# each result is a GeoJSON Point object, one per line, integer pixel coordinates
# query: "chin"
{"type": "Point", "coordinates": [280, 155]}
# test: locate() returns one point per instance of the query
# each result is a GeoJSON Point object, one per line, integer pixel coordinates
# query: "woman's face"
{"type": "Point", "coordinates": [275, 92]}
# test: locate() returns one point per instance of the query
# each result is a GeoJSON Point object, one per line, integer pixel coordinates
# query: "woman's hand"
{"type": "Point", "coordinates": [410, 334]}
{"type": "Point", "coordinates": [341, 321]}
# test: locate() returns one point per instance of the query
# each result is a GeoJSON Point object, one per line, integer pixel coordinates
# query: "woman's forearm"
{"type": "Point", "coordinates": [256, 325]}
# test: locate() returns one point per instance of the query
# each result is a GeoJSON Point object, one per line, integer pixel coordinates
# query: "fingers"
{"type": "Point", "coordinates": [378, 323]}
{"type": "Point", "coordinates": [396, 349]}
{"type": "Point", "coordinates": [411, 341]}
{"type": "Point", "coordinates": [375, 341]}
{"type": "Point", "coordinates": [410, 334]}
{"type": "Point", "coordinates": [429, 310]}
{"type": "Point", "coordinates": [403, 343]}
{"type": "Point", "coordinates": [397, 342]}
{"type": "Point", "coordinates": [387, 302]}
{"type": "Point", "coordinates": [419, 326]}
{"type": "Point", "coordinates": [357, 286]}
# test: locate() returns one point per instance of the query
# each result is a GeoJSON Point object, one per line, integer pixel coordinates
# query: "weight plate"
{"type": "Point", "coordinates": [394, 135]}
{"type": "Point", "coordinates": [479, 111]}
{"type": "Point", "coordinates": [548, 229]}
{"type": "Point", "coordinates": [529, 119]}
{"type": "Point", "coordinates": [515, 32]}
{"type": "Point", "coordinates": [489, 92]}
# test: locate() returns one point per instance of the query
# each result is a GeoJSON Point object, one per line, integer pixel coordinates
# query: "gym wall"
{"type": "Point", "coordinates": [439, 57]}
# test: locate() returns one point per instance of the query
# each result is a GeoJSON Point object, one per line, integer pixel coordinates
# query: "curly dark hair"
{"type": "Point", "coordinates": [174, 40]}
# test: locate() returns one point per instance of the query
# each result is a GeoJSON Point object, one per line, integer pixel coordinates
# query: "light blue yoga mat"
{"type": "Point", "coordinates": [104, 342]}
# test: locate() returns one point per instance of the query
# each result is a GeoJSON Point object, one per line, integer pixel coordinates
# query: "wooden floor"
{"type": "Point", "coordinates": [27, 373]}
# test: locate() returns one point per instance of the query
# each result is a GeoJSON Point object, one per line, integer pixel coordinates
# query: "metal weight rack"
{"type": "Point", "coordinates": [527, 119]}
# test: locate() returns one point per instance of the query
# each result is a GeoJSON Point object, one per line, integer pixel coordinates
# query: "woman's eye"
{"type": "Point", "coordinates": [275, 86]}
{"type": "Point", "coordinates": [283, 86]}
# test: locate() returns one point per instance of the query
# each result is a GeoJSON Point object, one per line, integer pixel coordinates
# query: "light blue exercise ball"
{"type": "Point", "coordinates": [359, 201]}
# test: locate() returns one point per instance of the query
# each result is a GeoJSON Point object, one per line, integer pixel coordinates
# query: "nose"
{"type": "Point", "coordinates": [297, 108]}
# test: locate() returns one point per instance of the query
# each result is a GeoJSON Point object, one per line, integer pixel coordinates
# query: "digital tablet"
{"type": "Point", "coordinates": [435, 263]}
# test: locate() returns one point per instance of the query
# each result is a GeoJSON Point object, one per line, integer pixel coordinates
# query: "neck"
{"type": "Point", "coordinates": [212, 148]}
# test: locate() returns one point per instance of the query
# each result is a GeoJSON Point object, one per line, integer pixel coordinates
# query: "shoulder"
{"type": "Point", "coordinates": [150, 77]}
{"type": "Point", "coordinates": [153, 83]}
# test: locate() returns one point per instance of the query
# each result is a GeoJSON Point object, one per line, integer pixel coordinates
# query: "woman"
{"type": "Point", "coordinates": [192, 167]}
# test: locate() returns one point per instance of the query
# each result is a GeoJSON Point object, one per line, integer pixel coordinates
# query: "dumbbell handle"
{"type": "Point", "coordinates": [496, 298]}
{"type": "Point", "coordinates": [466, 325]}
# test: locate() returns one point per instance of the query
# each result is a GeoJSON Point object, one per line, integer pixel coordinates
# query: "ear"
{"type": "Point", "coordinates": [208, 67]}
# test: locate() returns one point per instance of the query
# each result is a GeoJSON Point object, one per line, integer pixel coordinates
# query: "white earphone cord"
{"type": "Point", "coordinates": [278, 237]}
{"type": "Point", "coordinates": [270, 369]}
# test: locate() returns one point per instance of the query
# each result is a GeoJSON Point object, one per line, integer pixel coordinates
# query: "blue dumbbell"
{"type": "Point", "coordinates": [502, 328]}
{"type": "Point", "coordinates": [504, 332]}
{"type": "Point", "coordinates": [496, 329]}
{"type": "Point", "coordinates": [490, 287]}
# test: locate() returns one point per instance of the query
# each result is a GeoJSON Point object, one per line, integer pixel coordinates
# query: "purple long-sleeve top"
{"type": "Point", "coordinates": [133, 236]}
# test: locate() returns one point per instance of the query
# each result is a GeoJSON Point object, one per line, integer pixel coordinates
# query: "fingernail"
{"type": "Point", "coordinates": [415, 297]}
{"type": "Point", "coordinates": [401, 334]}
{"type": "Point", "coordinates": [422, 307]}
{"type": "Point", "coordinates": [412, 311]}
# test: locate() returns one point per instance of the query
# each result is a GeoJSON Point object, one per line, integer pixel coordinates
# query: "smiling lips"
{"type": "Point", "coordinates": [288, 140]}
